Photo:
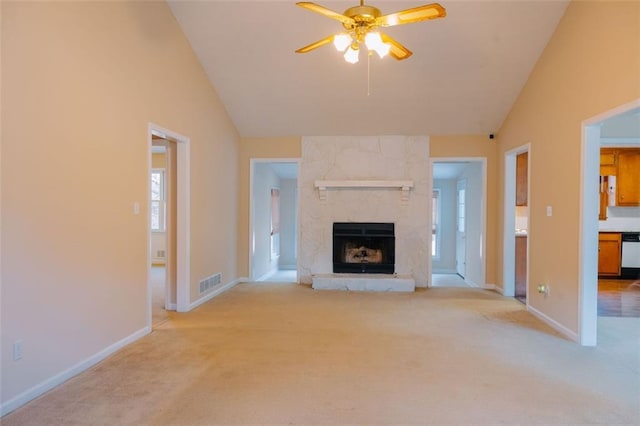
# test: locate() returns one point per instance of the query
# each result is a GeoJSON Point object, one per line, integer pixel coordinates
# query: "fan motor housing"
{"type": "Point", "coordinates": [362, 14]}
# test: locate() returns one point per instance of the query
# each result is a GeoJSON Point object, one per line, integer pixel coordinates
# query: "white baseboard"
{"type": "Point", "coordinates": [488, 287]}
{"type": "Point", "coordinates": [172, 307]}
{"type": "Point", "coordinates": [39, 389]}
{"type": "Point", "coordinates": [472, 283]}
{"type": "Point", "coordinates": [495, 288]}
{"type": "Point", "coordinates": [213, 294]}
{"type": "Point", "coordinates": [554, 324]}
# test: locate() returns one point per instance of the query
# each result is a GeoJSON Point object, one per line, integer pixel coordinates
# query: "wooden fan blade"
{"type": "Point", "coordinates": [315, 45]}
{"type": "Point", "coordinates": [326, 12]}
{"type": "Point", "coordinates": [417, 14]}
{"type": "Point", "coordinates": [397, 50]}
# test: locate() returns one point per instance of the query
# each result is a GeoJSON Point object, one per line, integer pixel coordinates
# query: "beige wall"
{"type": "Point", "coordinates": [81, 81]}
{"type": "Point", "coordinates": [286, 147]}
{"type": "Point", "coordinates": [476, 146]}
{"type": "Point", "coordinates": [1, 222]}
{"type": "Point", "coordinates": [590, 65]}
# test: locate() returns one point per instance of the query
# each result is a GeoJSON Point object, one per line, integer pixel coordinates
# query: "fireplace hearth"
{"type": "Point", "coordinates": [363, 248]}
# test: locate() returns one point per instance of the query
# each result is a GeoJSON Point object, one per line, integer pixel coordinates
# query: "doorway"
{"type": "Point", "coordinates": [273, 233]}
{"type": "Point", "coordinates": [168, 223]}
{"type": "Point", "coordinates": [516, 224]}
{"type": "Point", "coordinates": [161, 229]}
{"type": "Point", "coordinates": [458, 222]}
{"type": "Point", "coordinates": [592, 139]}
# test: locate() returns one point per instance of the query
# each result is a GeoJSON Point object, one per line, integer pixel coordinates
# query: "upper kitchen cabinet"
{"type": "Point", "coordinates": [522, 164]}
{"type": "Point", "coordinates": [608, 162]}
{"type": "Point", "coordinates": [628, 178]}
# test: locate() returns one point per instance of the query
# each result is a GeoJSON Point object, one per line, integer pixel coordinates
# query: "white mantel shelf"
{"type": "Point", "coordinates": [404, 185]}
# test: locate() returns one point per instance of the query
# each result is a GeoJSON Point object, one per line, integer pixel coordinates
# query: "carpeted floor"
{"type": "Point", "coordinates": [286, 354]}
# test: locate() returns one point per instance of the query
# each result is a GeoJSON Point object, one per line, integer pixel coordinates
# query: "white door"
{"type": "Point", "coordinates": [461, 240]}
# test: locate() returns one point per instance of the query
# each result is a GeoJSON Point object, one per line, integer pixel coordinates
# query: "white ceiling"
{"type": "Point", "coordinates": [448, 170]}
{"type": "Point", "coordinates": [285, 170]}
{"type": "Point", "coordinates": [626, 125]}
{"type": "Point", "coordinates": [466, 71]}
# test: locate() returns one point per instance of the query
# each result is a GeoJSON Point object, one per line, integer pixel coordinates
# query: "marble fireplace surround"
{"type": "Point", "coordinates": [364, 179]}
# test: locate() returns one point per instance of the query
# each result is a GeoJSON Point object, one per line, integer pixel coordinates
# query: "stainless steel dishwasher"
{"type": "Point", "coordinates": [630, 255]}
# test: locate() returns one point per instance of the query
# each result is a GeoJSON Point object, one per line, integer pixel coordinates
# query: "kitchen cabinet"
{"type": "Point", "coordinates": [628, 178]}
{"type": "Point", "coordinates": [608, 165]}
{"type": "Point", "coordinates": [521, 266]}
{"type": "Point", "coordinates": [609, 254]}
{"type": "Point", "coordinates": [624, 164]}
{"type": "Point", "coordinates": [522, 164]}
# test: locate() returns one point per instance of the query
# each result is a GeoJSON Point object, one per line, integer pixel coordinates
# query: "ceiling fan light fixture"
{"type": "Point", "coordinates": [373, 40]}
{"type": "Point", "coordinates": [383, 50]}
{"type": "Point", "coordinates": [361, 24]}
{"type": "Point", "coordinates": [342, 41]}
{"type": "Point", "coordinates": [352, 55]}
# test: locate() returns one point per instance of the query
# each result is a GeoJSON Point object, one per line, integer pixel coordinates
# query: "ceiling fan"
{"type": "Point", "coordinates": [361, 24]}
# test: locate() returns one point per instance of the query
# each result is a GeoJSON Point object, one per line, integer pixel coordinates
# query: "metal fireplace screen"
{"type": "Point", "coordinates": [361, 248]}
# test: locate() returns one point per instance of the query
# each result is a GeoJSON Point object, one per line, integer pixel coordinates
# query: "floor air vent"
{"type": "Point", "coordinates": [208, 283]}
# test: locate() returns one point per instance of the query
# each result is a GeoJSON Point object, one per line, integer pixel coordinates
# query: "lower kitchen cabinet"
{"type": "Point", "coordinates": [609, 253]}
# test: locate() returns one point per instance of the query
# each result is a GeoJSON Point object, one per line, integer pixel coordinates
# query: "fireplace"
{"type": "Point", "coordinates": [363, 248]}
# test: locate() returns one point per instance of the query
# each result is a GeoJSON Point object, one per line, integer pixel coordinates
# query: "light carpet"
{"type": "Point", "coordinates": [286, 354]}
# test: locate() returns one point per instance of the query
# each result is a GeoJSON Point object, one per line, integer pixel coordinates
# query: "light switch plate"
{"type": "Point", "coordinates": [17, 350]}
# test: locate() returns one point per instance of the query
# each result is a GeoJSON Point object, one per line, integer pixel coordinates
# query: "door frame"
{"type": "Point", "coordinates": [461, 184]}
{"type": "Point", "coordinates": [483, 210]}
{"type": "Point", "coordinates": [252, 164]}
{"type": "Point", "coordinates": [588, 220]}
{"type": "Point", "coordinates": [509, 220]}
{"type": "Point", "coordinates": [183, 219]}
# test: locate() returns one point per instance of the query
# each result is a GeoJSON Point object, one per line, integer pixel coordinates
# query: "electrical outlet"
{"type": "Point", "coordinates": [17, 350]}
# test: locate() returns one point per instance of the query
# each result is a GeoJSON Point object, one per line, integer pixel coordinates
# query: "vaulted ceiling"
{"type": "Point", "coordinates": [466, 71]}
